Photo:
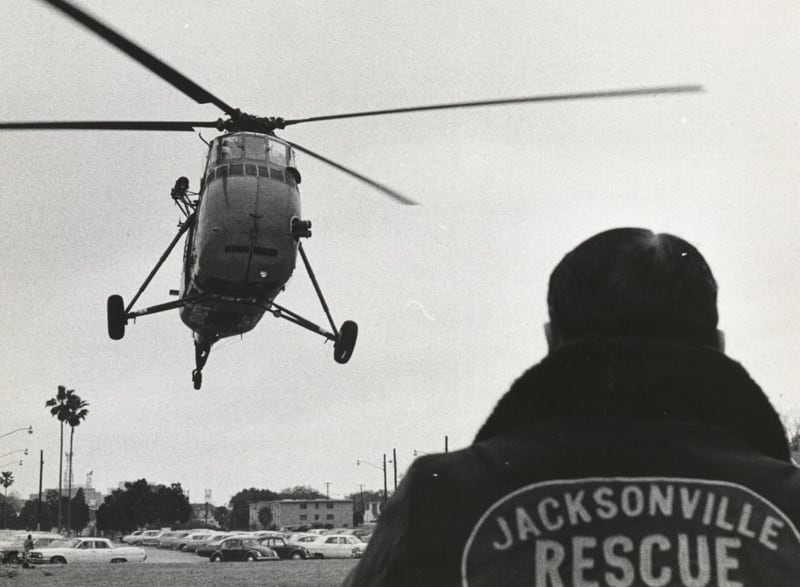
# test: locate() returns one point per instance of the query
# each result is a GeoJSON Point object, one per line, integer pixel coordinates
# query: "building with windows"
{"type": "Point", "coordinates": [314, 513]}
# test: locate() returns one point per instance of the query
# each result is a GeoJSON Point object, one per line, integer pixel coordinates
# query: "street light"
{"type": "Point", "coordinates": [383, 468]}
{"type": "Point", "coordinates": [12, 463]}
{"type": "Point", "coordinates": [29, 429]}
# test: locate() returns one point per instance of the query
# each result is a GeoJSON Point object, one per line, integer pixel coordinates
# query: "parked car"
{"type": "Point", "coordinates": [130, 538]}
{"type": "Point", "coordinates": [211, 546]}
{"type": "Point", "coordinates": [301, 538]}
{"type": "Point", "coordinates": [195, 539]}
{"type": "Point", "coordinates": [336, 546]}
{"type": "Point", "coordinates": [285, 549]}
{"type": "Point", "coordinates": [172, 540]}
{"type": "Point", "coordinates": [86, 550]}
{"type": "Point", "coordinates": [247, 549]}
{"type": "Point", "coordinates": [151, 537]}
{"type": "Point", "coordinates": [12, 548]}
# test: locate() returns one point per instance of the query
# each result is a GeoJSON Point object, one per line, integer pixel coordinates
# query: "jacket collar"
{"type": "Point", "coordinates": [643, 379]}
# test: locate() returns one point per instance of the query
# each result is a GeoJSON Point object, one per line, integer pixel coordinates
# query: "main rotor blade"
{"type": "Point", "coordinates": [150, 61]}
{"type": "Point", "coordinates": [108, 125]}
{"type": "Point", "coordinates": [507, 101]}
{"type": "Point", "coordinates": [378, 186]}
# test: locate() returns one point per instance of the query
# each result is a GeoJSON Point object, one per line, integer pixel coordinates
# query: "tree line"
{"type": "Point", "coordinates": [139, 504]}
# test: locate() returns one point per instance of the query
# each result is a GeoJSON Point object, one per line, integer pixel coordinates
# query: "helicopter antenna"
{"type": "Point", "coordinates": [199, 134]}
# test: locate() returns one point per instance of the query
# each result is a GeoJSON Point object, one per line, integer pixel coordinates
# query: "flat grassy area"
{"type": "Point", "coordinates": [322, 573]}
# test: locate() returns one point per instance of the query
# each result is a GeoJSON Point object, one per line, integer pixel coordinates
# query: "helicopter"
{"type": "Point", "coordinates": [243, 227]}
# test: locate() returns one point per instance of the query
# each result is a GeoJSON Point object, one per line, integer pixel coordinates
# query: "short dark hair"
{"type": "Point", "coordinates": [633, 282]}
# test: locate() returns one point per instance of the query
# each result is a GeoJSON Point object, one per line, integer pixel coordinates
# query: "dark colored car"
{"type": "Point", "coordinates": [211, 546]}
{"type": "Point", "coordinates": [243, 549]}
{"type": "Point", "coordinates": [284, 549]}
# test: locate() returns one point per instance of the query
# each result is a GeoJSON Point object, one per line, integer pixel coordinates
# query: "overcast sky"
{"type": "Point", "coordinates": [449, 295]}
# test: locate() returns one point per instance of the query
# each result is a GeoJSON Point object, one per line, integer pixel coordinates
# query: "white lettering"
{"type": "Point", "coordinates": [581, 562]}
{"type": "Point", "coordinates": [545, 517]}
{"type": "Point", "coordinates": [708, 512]}
{"type": "Point", "coordinates": [525, 525]}
{"type": "Point", "coordinates": [646, 561]}
{"type": "Point", "coordinates": [702, 558]}
{"type": "Point", "coordinates": [661, 501]}
{"type": "Point", "coordinates": [549, 556]}
{"type": "Point", "coordinates": [769, 531]}
{"type": "Point", "coordinates": [725, 562]}
{"type": "Point", "coordinates": [689, 503]}
{"type": "Point", "coordinates": [632, 501]}
{"type": "Point", "coordinates": [506, 534]}
{"type": "Point", "coordinates": [623, 565]}
{"type": "Point", "coordinates": [575, 508]}
{"type": "Point", "coordinates": [721, 511]}
{"type": "Point", "coordinates": [744, 519]}
{"type": "Point", "coordinates": [607, 509]}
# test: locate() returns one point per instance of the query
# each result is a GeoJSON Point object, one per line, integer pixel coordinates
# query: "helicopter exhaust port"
{"type": "Point", "coordinates": [300, 228]}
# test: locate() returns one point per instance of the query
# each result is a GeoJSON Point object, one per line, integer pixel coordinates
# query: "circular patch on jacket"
{"type": "Point", "coordinates": [626, 532]}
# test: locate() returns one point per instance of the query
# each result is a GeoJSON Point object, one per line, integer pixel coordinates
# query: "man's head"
{"type": "Point", "coordinates": [632, 282]}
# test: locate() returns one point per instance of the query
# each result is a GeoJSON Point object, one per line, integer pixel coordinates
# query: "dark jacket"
{"type": "Point", "coordinates": [611, 462]}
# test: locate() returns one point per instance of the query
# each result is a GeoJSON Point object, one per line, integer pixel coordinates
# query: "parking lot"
{"type": "Point", "coordinates": [168, 567]}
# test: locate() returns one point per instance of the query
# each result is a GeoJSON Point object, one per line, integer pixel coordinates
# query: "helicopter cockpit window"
{"type": "Point", "coordinates": [277, 153]}
{"type": "Point", "coordinates": [255, 147]}
{"type": "Point", "coordinates": [231, 149]}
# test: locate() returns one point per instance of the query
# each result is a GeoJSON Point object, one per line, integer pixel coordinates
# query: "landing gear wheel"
{"type": "Point", "coordinates": [116, 317]}
{"type": "Point", "coordinates": [197, 379]}
{"type": "Point", "coordinates": [345, 342]}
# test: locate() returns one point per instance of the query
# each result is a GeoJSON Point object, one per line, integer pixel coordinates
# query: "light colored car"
{"type": "Point", "coordinates": [13, 546]}
{"type": "Point", "coordinates": [301, 538]}
{"type": "Point", "coordinates": [172, 540]}
{"type": "Point", "coordinates": [86, 550]}
{"type": "Point", "coordinates": [195, 539]}
{"type": "Point", "coordinates": [336, 546]}
{"type": "Point", "coordinates": [151, 537]}
{"type": "Point", "coordinates": [132, 537]}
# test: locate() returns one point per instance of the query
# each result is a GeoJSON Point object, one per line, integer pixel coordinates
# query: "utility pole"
{"type": "Point", "coordinates": [445, 443]}
{"type": "Point", "coordinates": [394, 462]}
{"type": "Point", "coordinates": [39, 504]}
{"type": "Point", "coordinates": [385, 490]}
{"type": "Point", "coordinates": [208, 497]}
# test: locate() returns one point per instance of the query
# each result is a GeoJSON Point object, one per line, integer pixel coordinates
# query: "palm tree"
{"type": "Point", "coordinates": [77, 413]}
{"type": "Point", "coordinates": [59, 409]}
{"type": "Point", "coordinates": [6, 480]}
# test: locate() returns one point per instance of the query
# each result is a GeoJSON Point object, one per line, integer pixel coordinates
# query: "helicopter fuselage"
{"type": "Point", "coordinates": [240, 252]}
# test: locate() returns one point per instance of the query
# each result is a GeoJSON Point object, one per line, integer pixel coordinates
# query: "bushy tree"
{"type": "Point", "coordinates": [79, 511]}
{"type": "Point", "coordinates": [301, 492]}
{"type": "Point", "coordinates": [223, 517]}
{"type": "Point", "coordinates": [240, 506]}
{"type": "Point", "coordinates": [140, 505]}
{"type": "Point", "coordinates": [265, 517]}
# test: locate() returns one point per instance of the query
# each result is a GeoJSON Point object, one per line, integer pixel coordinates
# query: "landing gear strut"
{"type": "Point", "coordinates": [344, 340]}
{"type": "Point", "coordinates": [201, 350]}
